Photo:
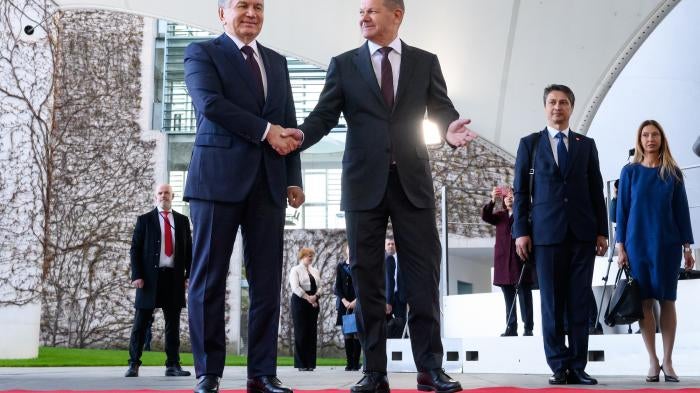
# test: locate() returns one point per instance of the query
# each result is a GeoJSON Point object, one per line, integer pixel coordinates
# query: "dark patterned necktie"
{"type": "Point", "coordinates": [257, 75]}
{"type": "Point", "coordinates": [387, 78]}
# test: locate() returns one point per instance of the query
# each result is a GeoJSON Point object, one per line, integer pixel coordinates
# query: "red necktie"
{"type": "Point", "coordinates": [168, 235]}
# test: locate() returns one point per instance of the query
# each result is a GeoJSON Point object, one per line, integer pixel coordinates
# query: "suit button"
{"type": "Point", "coordinates": [565, 182]}
{"type": "Point", "coordinates": [566, 200]}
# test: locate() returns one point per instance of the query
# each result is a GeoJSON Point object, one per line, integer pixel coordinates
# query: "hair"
{"type": "Point", "coordinates": [393, 4]}
{"type": "Point", "coordinates": [389, 237]}
{"type": "Point", "coordinates": [562, 88]}
{"type": "Point", "coordinates": [224, 3]}
{"type": "Point", "coordinates": [668, 164]}
{"type": "Point", "coordinates": [306, 252]}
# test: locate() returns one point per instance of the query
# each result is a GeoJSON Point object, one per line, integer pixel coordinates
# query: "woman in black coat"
{"type": "Point", "coordinates": [345, 295]}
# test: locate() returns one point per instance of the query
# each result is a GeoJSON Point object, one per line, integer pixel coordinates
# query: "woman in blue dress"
{"type": "Point", "coordinates": [653, 231]}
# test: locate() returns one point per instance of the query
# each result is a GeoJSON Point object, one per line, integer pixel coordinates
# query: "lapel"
{"type": "Point", "coordinates": [545, 148]}
{"type": "Point", "coordinates": [405, 72]}
{"type": "Point", "coordinates": [234, 56]}
{"type": "Point", "coordinates": [364, 67]}
{"type": "Point", "coordinates": [574, 141]}
{"type": "Point", "coordinates": [155, 220]}
{"type": "Point", "coordinates": [272, 77]}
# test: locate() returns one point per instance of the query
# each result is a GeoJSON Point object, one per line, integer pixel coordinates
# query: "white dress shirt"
{"type": "Point", "coordinates": [553, 142]}
{"type": "Point", "coordinates": [394, 59]}
{"type": "Point", "coordinates": [299, 279]}
{"type": "Point", "coordinates": [261, 65]}
{"type": "Point", "coordinates": [166, 261]}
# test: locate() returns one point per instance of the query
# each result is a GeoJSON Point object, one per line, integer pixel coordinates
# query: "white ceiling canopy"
{"type": "Point", "coordinates": [497, 56]}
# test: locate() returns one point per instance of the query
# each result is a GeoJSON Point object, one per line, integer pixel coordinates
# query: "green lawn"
{"type": "Point", "coordinates": [68, 357]}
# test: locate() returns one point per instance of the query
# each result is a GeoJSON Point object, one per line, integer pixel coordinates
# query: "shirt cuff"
{"type": "Point", "coordinates": [267, 129]}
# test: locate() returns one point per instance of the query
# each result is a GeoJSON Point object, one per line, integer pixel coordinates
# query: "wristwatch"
{"type": "Point", "coordinates": [686, 249]}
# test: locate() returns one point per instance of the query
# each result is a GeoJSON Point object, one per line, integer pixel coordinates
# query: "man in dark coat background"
{"type": "Point", "coordinates": [161, 254]}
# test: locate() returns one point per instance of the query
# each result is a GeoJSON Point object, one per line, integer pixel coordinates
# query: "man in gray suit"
{"type": "Point", "coordinates": [384, 89]}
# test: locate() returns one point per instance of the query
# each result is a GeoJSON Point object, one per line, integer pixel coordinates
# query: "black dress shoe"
{"type": "Point", "coordinates": [207, 383]}
{"type": "Point", "coordinates": [133, 370]}
{"type": "Point", "coordinates": [580, 377]}
{"type": "Point", "coordinates": [510, 332]}
{"type": "Point", "coordinates": [436, 380]}
{"type": "Point", "coordinates": [175, 370]}
{"type": "Point", "coordinates": [558, 378]}
{"type": "Point", "coordinates": [267, 384]}
{"type": "Point", "coordinates": [371, 382]}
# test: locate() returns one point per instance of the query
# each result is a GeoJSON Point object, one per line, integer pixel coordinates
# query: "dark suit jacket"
{"type": "Point", "coordinates": [352, 88]}
{"type": "Point", "coordinates": [343, 290]}
{"type": "Point", "coordinates": [389, 280]}
{"type": "Point", "coordinates": [228, 151]}
{"type": "Point", "coordinates": [572, 202]}
{"type": "Point", "coordinates": [145, 257]}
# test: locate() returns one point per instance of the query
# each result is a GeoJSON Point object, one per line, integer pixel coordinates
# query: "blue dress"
{"type": "Point", "coordinates": [653, 222]}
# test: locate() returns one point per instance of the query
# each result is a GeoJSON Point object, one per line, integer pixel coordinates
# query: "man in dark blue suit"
{"type": "Point", "coordinates": [395, 303]}
{"type": "Point", "coordinates": [385, 88]}
{"type": "Point", "coordinates": [566, 223]}
{"type": "Point", "coordinates": [239, 177]}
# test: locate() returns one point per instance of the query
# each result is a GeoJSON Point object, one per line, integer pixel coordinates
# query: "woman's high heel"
{"type": "Point", "coordinates": [669, 378]}
{"type": "Point", "coordinates": [654, 378]}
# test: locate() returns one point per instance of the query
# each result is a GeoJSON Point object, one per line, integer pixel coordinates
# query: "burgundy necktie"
{"type": "Point", "coordinates": [387, 78]}
{"type": "Point", "coordinates": [168, 234]}
{"type": "Point", "coordinates": [255, 70]}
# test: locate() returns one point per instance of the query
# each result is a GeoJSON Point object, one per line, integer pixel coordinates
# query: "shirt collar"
{"type": "Point", "coordinates": [395, 45]}
{"type": "Point", "coordinates": [253, 44]}
{"type": "Point", "coordinates": [553, 132]}
{"type": "Point", "coordinates": [160, 210]}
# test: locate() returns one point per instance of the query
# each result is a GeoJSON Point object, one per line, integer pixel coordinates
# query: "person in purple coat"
{"type": "Point", "coordinates": [507, 265]}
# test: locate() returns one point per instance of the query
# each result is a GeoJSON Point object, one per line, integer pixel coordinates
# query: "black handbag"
{"type": "Point", "coordinates": [625, 304]}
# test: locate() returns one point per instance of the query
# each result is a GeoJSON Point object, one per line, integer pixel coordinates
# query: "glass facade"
{"type": "Point", "coordinates": [174, 115]}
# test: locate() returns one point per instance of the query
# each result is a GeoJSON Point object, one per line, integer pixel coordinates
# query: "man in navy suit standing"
{"type": "Point", "coordinates": [566, 224]}
{"type": "Point", "coordinates": [239, 177]}
{"type": "Point", "coordinates": [385, 88]}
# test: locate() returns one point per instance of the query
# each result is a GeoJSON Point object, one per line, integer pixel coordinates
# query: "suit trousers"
{"type": "Point", "coordinates": [142, 316]}
{"type": "Point", "coordinates": [305, 319]}
{"type": "Point", "coordinates": [525, 300]}
{"type": "Point", "coordinates": [565, 274]}
{"type": "Point", "coordinates": [168, 301]}
{"type": "Point", "coordinates": [215, 226]}
{"type": "Point", "coordinates": [417, 240]}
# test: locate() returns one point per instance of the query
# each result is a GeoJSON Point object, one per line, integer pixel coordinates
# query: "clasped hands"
{"type": "Point", "coordinates": [284, 140]}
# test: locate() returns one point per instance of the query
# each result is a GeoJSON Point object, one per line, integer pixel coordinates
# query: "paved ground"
{"type": "Point", "coordinates": [101, 378]}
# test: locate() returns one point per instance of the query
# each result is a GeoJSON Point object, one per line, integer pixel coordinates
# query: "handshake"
{"type": "Point", "coordinates": [284, 140]}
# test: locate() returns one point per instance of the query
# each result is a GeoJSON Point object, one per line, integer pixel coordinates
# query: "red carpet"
{"type": "Point", "coordinates": [504, 389]}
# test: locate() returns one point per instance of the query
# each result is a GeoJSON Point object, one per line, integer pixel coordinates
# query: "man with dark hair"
{"type": "Point", "coordinates": [384, 89]}
{"type": "Point", "coordinates": [239, 177]}
{"type": "Point", "coordinates": [161, 254]}
{"type": "Point", "coordinates": [566, 222]}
